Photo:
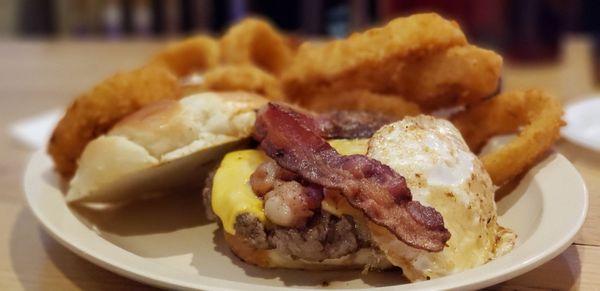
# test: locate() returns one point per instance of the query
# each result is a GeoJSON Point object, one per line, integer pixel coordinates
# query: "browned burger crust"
{"type": "Point", "coordinates": [366, 258]}
{"type": "Point", "coordinates": [247, 252]}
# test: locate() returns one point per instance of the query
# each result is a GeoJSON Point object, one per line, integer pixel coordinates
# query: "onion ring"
{"type": "Point", "coordinates": [243, 78]}
{"type": "Point", "coordinates": [424, 58]}
{"type": "Point", "coordinates": [197, 53]}
{"type": "Point", "coordinates": [539, 115]}
{"type": "Point", "coordinates": [254, 41]}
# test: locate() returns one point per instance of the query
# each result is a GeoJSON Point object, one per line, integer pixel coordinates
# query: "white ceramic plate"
{"type": "Point", "coordinates": [583, 123]}
{"type": "Point", "coordinates": [165, 242]}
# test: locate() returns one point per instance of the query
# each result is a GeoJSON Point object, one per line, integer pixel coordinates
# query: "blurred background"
{"type": "Point", "coordinates": [526, 32]}
{"type": "Point", "coordinates": [529, 30]}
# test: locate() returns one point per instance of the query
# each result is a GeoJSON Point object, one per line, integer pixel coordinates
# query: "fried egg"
{"type": "Point", "coordinates": [443, 173]}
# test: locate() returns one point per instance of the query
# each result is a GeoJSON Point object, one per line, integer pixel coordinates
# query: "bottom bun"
{"type": "Point", "coordinates": [364, 258]}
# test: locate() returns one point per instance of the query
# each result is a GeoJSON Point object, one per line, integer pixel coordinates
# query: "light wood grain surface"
{"type": "Point", "coordinates": [37, 76]}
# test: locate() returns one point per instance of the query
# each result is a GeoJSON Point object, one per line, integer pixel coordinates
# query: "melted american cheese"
{"type": "Point", "coordinates": [231, 191]}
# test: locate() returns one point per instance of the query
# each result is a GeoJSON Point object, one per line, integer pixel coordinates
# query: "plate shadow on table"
{"type": "Point", "coordinates": [330, 279]}
{"type": "Point", "coordinates": [28, 239]}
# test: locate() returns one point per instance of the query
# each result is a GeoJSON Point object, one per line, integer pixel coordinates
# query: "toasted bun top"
{"type": "Point", "coordinates": [196, 128]}
{"type": "Point", "coordinates": [195, 121]}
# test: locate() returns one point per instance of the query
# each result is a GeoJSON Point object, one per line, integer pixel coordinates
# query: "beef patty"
{"type": "Point", "coordinates": [325, 237]}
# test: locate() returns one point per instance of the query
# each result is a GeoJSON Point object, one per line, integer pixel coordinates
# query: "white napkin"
{"type": "Point", "coordinates": [34, 132]}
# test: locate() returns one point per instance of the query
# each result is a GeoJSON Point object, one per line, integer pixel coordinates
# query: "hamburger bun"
{"type": "Point", "coordinates": [162, 146]}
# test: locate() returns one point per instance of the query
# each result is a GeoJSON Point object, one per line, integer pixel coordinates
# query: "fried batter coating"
{"type": "Point", "coordinates": [361, 100]}
{"type": "Point", "coordinates": [539, 115]}
{"type": "Point", "coordinates": [194, 54]}
{"type": "Point", "coordinates": [423, 58]}
{"type": "Point", "coordinates": [459, 75]}
{"type": "Point", "coordinates": [255, 41]}
{"type": "Point", "coordinates": [242, 78]}
{"type": "Point", "coordinates": [96, 111]}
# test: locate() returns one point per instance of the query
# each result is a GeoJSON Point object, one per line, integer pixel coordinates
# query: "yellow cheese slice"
{"type": "Point", "coordinates": [231, 192]}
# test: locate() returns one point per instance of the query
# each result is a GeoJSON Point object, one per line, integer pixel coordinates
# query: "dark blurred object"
{"type": "Point", "coordinates": [528, 31]}
{"type": "Point", "coordinates": [535, 29]}
{"type": "Point", "coordinates": [35, 17]}
{"type": "Point", "coordinates": [590, 17]}
{"type": "Point", "coordinates": [312, 21]}
{"type": "Point", "coordinates": [591, 24]}
{"type": "Point", "coordinates": [337, 18]}
{"type": "Point", "coordinates": [484, 21]}
{"type": "Point", "coordinates": [220, 15]}
{"type": "Point", "coordinates": [487, 24]}
{"type": "Point", "coordinates": [285, 14]}
{"type": "Point", "coordinates": [596, 59]}
{"type": "Point", "coordinates": [457, 9]}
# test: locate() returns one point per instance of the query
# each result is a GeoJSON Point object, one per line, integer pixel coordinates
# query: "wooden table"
{"type": "Point", "coordinates": [37, 76]}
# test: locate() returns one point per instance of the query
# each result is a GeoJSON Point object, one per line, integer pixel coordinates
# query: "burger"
{"type": "Point", "coordinates": [412, 196]}
{"type": "Point", "coordinates": [299, 190]}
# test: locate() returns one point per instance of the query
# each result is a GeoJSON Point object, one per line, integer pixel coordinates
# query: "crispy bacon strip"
{"type": "Point", "coordinates": [292, 140]}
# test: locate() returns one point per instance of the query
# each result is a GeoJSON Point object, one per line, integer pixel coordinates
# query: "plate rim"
{"type": "Point", "coordinates": [176, 281]}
